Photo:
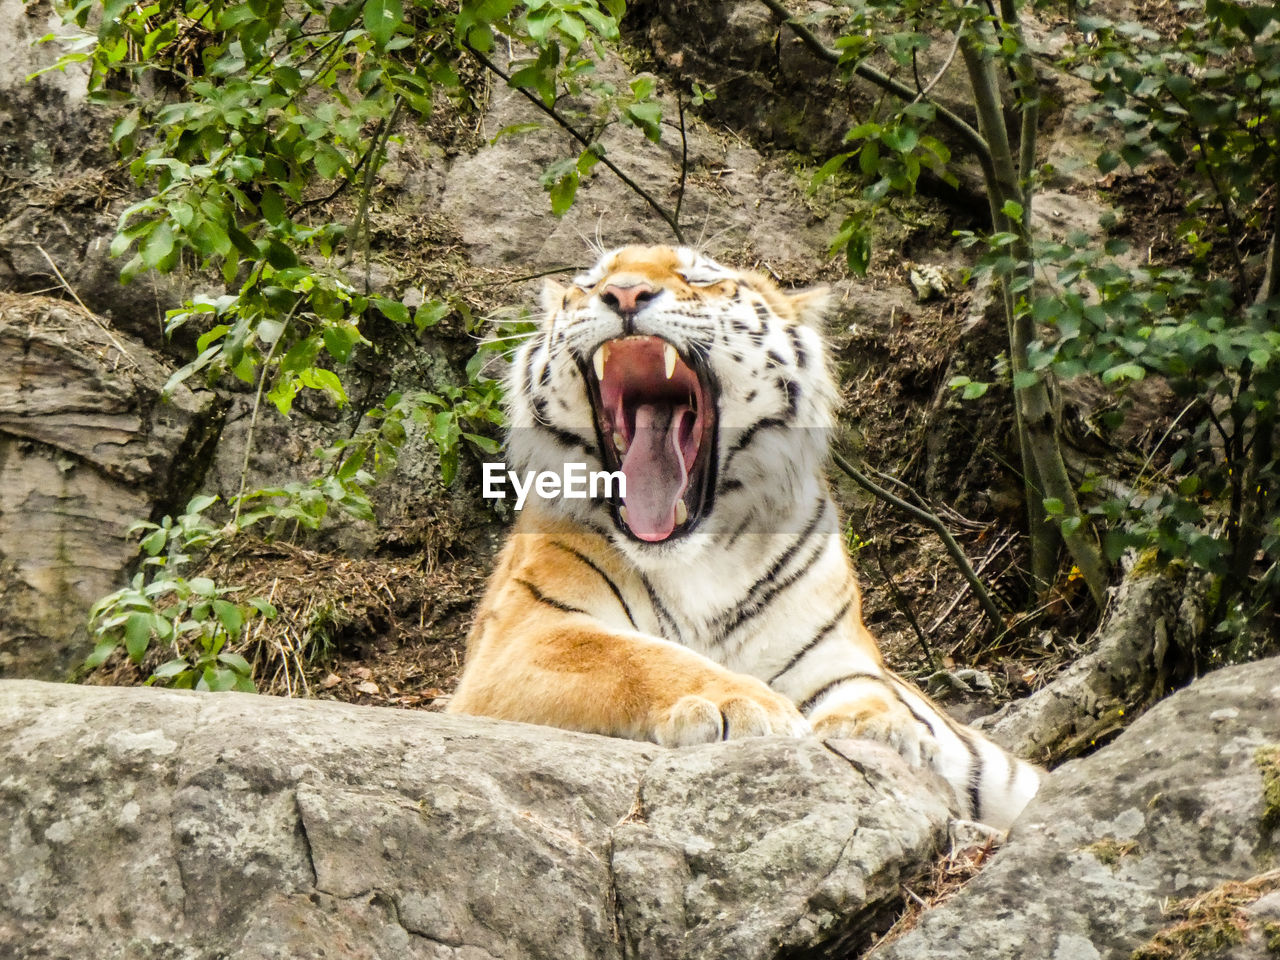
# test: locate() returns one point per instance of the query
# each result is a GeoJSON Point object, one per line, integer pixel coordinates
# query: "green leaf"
{"type": "Point", "coordinates": [515, 129]}
{"type": "Point", "coordinates": [340, 341]}
{"type": "Point", "coordinates": [282, 393]}
{"type": "Point", "coordinates": [170, 668]}
{"type": "Point", "coordinates": [99, 655]}
{"type": "Point", "coordinates": [393, 310]}
{"type": "Point", "coordinates": [328, 161]}
{"type": "Point", "coordinates": [381, 18]}
{"type": "Point", "coordinates": [540, 22]}
{"type": "Point", "coordinates": [200, 503]}
{"type": "Point", "coordinates": [1025, 378]}
{"type": "Point", "coordinates": [429, 314]}
{"type": "Point", "coordinates": [317, 378]}
{"type": "Point", "coordinates": [828, 170]}
{"type": "Point", "coordinates": [229, 616]}
{"type": "Point", "coordinates": [1013, 210]}
{"type": "Point", "coordinates": [269, 330]}
{"type": "Point", "coordinates": [1123, 371]}
{"type": "Point", "coordinates": [271, 206]}
{"type": "Point", "coordinates": [155, 541]}
{"type": "Point", "coordinates": [1053, 506]}
{"type": "Point", "coordinates": [158, 246]}
{"type": "Point", "coordinates": [125, 126]}
{"type": "Point", "coordinates": [203, 586]}
{"type": "Point", "coordinates": [648, 117]}
{"type": "Point", "coordinates": [901, 139]}
{"type": "Point", "coordinates": [485, 444]}
{"type": "Point", "coordinates": [217, 678]}
{"type": "Point", "coordinates": [975, 389]}
{"type": "Point", "coordinates": [137, 635]}
{"type": "Point", "coordinates": [236, 662]}
{"type": "Point", "coordinates": [562, 193]}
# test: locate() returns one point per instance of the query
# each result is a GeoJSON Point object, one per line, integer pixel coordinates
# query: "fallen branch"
{"type": "Point", "coordinates": [1142, 650]}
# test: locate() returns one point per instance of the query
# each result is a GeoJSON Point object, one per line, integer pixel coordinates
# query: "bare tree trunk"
{"type": "Point", "coordinates": [1038, 428]}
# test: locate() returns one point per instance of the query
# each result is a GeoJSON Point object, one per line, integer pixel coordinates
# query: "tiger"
{"type": "Point", "coordinates": [708, 595]}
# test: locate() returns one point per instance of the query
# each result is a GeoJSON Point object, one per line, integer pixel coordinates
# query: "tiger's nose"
{"type": "Point", "coordinates": [629, 300]}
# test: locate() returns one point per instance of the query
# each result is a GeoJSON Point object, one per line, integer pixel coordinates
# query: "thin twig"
{"type": "Point", "coordinates": [346, 181]}
{"type": "Point", "coordinates": [937, 77]}
{"type": "Point", "coordinates": [253, 416]}
{"type": "Point", "coordinates": [934, 524]}
{"type": "Point", "coordinates": [684, 156]}
{"type": "Point", "coordinates": [904, 608]}
{"type": "Point", "coordinates": [565, 125]}
{"type": "Point", "coordinates": [361, 224]}
{"type": "Point", "coordinates": [506, 281]}
{"type": "Point", "coordinates": [981, 568]}
{"type": "Point", "coordinates": [93, 317]}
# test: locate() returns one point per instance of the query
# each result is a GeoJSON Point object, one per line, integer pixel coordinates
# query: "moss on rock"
{"type": "Point", "coordinates": [1206, 925]}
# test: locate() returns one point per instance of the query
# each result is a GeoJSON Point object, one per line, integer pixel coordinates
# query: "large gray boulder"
{"type": "Point", "coordinates": [150, 824]}
{"type": "Point", "coordinates": [1185, 801]}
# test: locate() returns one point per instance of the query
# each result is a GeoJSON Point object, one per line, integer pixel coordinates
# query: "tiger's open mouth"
{"type": "Point", "coordinates": [655, 415]}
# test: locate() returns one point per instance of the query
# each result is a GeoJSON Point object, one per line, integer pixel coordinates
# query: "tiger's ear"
{"type": "Point", "coordinates": [552, 298]}
{"type": "Point", "coordinates": [812, 305]}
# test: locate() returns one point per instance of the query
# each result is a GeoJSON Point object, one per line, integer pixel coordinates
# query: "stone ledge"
{"type": "Point", "coordinates": [148, 823]}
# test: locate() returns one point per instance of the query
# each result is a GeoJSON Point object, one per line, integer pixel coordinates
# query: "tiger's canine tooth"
{"type": "Point", "coordinates": [619, 441]}
{"type": "Point", "coordinates": [682, 512]}
{"type": "Point", "coordinates": [622, 512]}
{"type": "Point", "coordinates": [601, 355]}
{"type": "Point", "coordinates": [669, 356]}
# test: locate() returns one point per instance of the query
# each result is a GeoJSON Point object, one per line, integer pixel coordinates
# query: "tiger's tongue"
{"type": "Point", "coordinates": [655, 468]}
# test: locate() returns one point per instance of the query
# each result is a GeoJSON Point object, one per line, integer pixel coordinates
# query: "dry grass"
{"type": "Point", "coordinates": [379, 631]}
{"type": "Point", "coordinates": [948, 877]}
{"type": "Point", "coordinates": [1207, 924]}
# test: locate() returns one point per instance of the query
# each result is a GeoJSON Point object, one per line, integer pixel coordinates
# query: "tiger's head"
{"type": "Point", "coordinates": [706, 387]}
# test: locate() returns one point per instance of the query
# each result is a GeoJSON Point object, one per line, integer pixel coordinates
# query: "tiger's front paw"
{"type": "Point", "coordinates": [883, 721]}
{"type": "Point", "coordinates": [730, 710]}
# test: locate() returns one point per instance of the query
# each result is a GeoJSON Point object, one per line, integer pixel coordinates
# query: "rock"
{"type": "Point", "coordinates": [147, 823]}
{"type": "Point", "coordinates": [86, 448]}
{"type": "Point", "coordinates": [736, 203]}
{"type": "Point", "coordinates": [1180, 803]}
{"type": "Point", "coordinates": [39, 118]}
{"type": "Point", "coordinates": [753, 860]}
{"type": "Point", "coordinates": [61, 186]}
{"type": "Point", "coordinates": [781, 93]}
{"type": "Point", "coordinates": [1141, 650]}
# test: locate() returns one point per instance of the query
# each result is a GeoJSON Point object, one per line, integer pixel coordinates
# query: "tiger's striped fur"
{"type": "Point", "coordinates": [744, 618]}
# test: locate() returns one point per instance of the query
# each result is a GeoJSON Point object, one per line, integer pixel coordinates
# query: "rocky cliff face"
{"type": "Point", "coordinates": [86, 448]}
{"type": "Point", "coordinates": [1184, 802]}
